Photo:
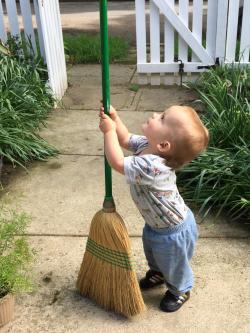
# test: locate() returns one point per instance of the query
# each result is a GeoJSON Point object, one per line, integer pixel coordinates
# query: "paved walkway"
{"type": "Point", "coordinates": [62, 196]}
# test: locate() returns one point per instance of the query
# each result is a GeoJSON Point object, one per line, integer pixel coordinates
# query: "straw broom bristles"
{"type": "Point", "coordinates": [106, 273]}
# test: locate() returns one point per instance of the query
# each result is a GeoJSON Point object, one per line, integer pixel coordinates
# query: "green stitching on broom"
{"type": "Point", "coordinates": [113, 257]}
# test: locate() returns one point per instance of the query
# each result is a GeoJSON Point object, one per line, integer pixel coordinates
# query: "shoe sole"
{"type": "Point", "coordinates": [154, 286]}
{"type": "Point", "coordinates": [173, 310]}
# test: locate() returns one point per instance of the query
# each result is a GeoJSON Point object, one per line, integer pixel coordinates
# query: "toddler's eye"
{"type": "Point", "coordinates": [162, 116]}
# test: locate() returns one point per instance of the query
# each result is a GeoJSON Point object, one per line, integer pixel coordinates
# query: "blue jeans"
{"type": "Point", "coordinates": [169, 251]}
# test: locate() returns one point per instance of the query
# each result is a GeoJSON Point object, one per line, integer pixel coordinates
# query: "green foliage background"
{"type": "Point", "coordinates": [15, 253]}
{"type": "Point", "coordinates": [25, 102]}
{"type": "Point", "coordinates": [219, 179]}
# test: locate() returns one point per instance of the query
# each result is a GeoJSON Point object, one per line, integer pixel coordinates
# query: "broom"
{"type": "Point", "coordinates": [106, 274]}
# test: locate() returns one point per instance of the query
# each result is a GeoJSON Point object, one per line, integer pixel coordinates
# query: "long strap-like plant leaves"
{"type": "Point", "coordinates": [25, 102]}
{"type": "Point", "coordinates": [220, 178]}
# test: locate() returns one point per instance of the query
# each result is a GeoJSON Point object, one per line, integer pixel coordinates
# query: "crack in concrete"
{"type": "Point", "coordinates": [130, 236]}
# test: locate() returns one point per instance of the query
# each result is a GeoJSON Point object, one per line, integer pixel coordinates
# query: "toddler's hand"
{"type": "Point", "coordinates": [106, 123]}
{"type": "Point", "coordinates": [112, 112]}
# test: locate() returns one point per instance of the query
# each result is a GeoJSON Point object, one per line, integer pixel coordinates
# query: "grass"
{"type": "Point", "coordinates": [219, 179]}
{"type": "Point", "coordinates": [85, 48]}
{"type": "Point", "coordinates": [134, 87]}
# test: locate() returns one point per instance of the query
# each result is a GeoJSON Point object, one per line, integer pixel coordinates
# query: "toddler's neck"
{"type": "Point", "coordinates": [148, 151]}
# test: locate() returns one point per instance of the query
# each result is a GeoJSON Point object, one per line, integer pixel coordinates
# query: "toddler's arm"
{"type": "Point", "coordinates": [112, 147]}
{"type": "Point", "coordinates": [121, 130]}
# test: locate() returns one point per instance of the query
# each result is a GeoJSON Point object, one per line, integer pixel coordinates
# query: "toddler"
{"type": "Point", "coordinates": [170, 140]}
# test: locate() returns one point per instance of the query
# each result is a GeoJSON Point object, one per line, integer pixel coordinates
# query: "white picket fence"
{"type": "Point", "coordinates": [44, 16]}
{"type": "Point", "coordinates": [177, 37]}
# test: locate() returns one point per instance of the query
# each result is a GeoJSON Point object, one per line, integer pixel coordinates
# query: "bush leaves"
{"type": "Point", "coordinates": [220, 177]}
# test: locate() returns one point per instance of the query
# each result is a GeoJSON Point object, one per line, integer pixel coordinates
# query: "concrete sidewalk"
{"type": "Point", "coordinates": [63, 194]}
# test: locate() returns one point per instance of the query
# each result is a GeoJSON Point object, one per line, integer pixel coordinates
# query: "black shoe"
{"type": "Point", "coordinates": [171, 303]}
{"type": "Point", "coordinates": [152, 279]}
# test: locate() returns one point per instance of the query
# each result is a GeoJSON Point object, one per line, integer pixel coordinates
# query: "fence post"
{"type": "Point", "coordinates": [232, 25]}
{"type": "Point", "coordinates": [54, 53]}
{"type": "Point", "coordinates": [168, 38]}
{"type": "Point", "coordinates": [12, 14]}
{"type": "Point", "coordinates": [53, 46]}
{"type": "Point", "coordinates": [183, 14]}
{"type": "Point", "coordinates": [39, 31]}
{"type": "Point", "coordinates": [245, 33]}
{"type": "Point", "coordinates": [3, 34]}
{"type": "Point", "coordinates": [63, 69]}
{"type": "Point", "coordinates": [27, 23]}
{"type": "Point", "coordinates": [221, 30]}
{"type": "Point", "coordinates": [211, 27]}
{"type": "Point", "coordinates": [154, 40]}
{"type": "Point", "coordinates": [197, 23]}
{"type": "Point", "coordinates": [169, 43]}
{"type": "Point", "coordinates": [45, 34]}
{"type": "Point", "coordinates": [141, 49]}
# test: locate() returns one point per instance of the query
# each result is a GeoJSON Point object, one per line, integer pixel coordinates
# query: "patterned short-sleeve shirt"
{"type": "Point", "coordinates": [153, 186]}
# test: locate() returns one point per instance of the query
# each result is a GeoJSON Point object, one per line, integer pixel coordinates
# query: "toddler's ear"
{"type": "Point", "coordinates": [164, 146]}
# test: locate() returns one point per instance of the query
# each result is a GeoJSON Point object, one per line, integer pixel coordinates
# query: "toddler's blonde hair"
{"type": "Point", "coordinates": [189, 136]}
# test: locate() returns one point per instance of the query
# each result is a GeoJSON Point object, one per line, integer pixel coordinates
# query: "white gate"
{"type": "Point", "coordinates": [46, 19]}
{"type": "Point", "coordinates": [179, 43]}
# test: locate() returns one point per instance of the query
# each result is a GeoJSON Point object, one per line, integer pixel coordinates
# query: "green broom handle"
{"type": "Point", "coordinates": [105, 88]}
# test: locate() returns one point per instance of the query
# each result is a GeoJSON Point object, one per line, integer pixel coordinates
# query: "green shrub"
{"type": "Point", "coordinates": [220, 177]}
{"type": "Point", "coordinates": [25, 101]}
{"type": "Point", "coordinates": [85, 48]}
{"type": "Point", "coordinates": [15, 254]}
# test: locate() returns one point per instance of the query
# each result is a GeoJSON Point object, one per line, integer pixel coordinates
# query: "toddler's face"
{"type": "Point", "coordinates": [156, 128]}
